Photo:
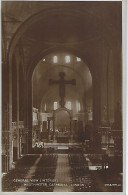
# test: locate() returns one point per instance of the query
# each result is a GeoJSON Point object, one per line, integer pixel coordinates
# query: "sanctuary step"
{"type": "Point", "coordinates": [63, 149]}
{"type": "Point", "coordinates": [58, 148]}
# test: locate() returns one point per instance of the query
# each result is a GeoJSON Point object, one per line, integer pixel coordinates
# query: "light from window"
{"type": "Point", "coordinates": [78, 106]}
{"type": "Point", "coordinates": [55, 105]}
{"type": "Point", "coordinates": [68, 105]}
{"type": "Point", "coordinates": [55, 59]}
{"type": "Point", "coordinates": [45, 107]}
{"type": "Point", "coordinates": [44, 60]}
{"type": "Point", "coordinates": [67, 59]}
{"type": "Point", "coordinates": [78, 59]}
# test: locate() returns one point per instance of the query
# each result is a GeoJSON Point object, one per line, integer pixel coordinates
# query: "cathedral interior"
{"type": "Point", "coordinates": [62, 96]}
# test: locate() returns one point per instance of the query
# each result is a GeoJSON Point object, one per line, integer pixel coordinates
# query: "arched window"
{"type": "Point", "coordinates": [55, 105]}
{"type": "Point", "coordinates": [78, 108]}
{"type": "Point", "coordinates": [68, 105]}
{"type": "Point", "coordinates": [55, 59]}
{"type": "Point", "coordinates": [67, 59]}
{"type": "Point", "coordinates": [78, 59]}
{"type": "Point", "coordinates": [45, 107]}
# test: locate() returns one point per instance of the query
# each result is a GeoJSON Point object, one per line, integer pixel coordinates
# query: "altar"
{"type": "Point", "coordinates": [63, 137]}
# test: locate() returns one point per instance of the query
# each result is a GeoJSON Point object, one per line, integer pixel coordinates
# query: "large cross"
{"type": "Point", "coordinates": [62, 84]}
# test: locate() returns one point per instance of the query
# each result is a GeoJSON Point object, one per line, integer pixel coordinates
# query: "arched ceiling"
{"type": "Point", "coordinates": [46, 70]}
{"type": "Point", "coordinates": [38, 27]}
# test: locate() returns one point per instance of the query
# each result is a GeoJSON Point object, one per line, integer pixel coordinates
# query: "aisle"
{"type": "Point", "coordinates": [30, 173]}
{"type": "Point", "coordinates": [62, 175]}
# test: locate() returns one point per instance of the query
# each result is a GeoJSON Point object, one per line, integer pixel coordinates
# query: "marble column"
{"type": "Point", "coordinates": [96, 99]}
{"type": "Point", "coordinates": [48, 127]}
{"type": "Point", "coordinates": [10, 115]}
{"type": "Point", "coordinates": [104, 72]}
{"type": "Point", "coordinates": [53, 127]}
{"type": "Point", "coordinates": [70, 126]}
{"type": "Point", "coordinates": [117, 78]}
{"type": "Point", "coordinates": [75, 129]}
{"type": "Point", "coordinates": [18, 137]}
{"type": "Point", "coordinates": [5, 117]}
{"type": "Point", "coordinates": [28, 114]}
{"type": "Point", "coordinates": [11, 64]}
{"type": "Point", "coordinates": [111, 87]}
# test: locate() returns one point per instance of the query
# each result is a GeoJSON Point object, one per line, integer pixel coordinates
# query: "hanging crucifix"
{"type": "Point", "coordinates": [62, 84]}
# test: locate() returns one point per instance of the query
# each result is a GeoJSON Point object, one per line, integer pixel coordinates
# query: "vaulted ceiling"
{"type": "Point", "coordinates": [78, 26]}
{"type": "Point", "coordinates": [84, 29]}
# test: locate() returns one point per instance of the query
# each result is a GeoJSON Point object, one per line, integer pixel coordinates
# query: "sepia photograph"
{"type": "Point", "coordinates": [62, 96]}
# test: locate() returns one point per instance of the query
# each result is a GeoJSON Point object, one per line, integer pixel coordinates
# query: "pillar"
{"type": "Point", "coordinates": [104, 68]}
{"type": "Point", "coordinates": [96, 99]}
{"type": "Point", "coordinates": [5, 116]}
{"type": "Point", "coordinates": [18, 137]}
{"type": "Point", "coordinates": [29, 117]}
{"type": "Point", "coordinates": [111, 95]}
{"type": "Point", "coordinates": [48, 126]}
{"type": "Point", "coordinates": [75, 126]}
{"type": "Point", "coordinates": [117, 77]}
{"type": "Point", "coordinates": [70, 126]}
{"type": "Point", "coordinates": [10, 116]}
{"type": "Point", "coordinates": [53, 126]}
{"type": "Point", "coordinates": [28, 114]}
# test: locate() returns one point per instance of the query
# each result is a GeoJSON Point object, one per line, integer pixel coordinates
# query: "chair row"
{"type": "Point", "coordinates": [20, 171]}
{"type": "Point", "coordinates": [45, 171]}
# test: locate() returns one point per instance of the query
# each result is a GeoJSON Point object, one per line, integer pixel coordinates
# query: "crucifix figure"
{"type": "Point", "coordinates": [62, 84]}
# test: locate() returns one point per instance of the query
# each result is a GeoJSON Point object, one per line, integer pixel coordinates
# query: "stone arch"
{"type": "Point", "coordinates": [16, 38]}
{"type": "Point", "coordinates": [64, 10]}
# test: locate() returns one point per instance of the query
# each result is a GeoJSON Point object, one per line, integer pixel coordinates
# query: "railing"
{"type": "Point", "coordinates": [20, 125]}
{"type": "Point", "coordinates": [111, 138]}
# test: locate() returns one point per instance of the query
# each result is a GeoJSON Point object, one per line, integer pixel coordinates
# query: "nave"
{"type": "Point", "coordinates": [62, 110]}
{"type": "Point", "coordinates": [63, 170]}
